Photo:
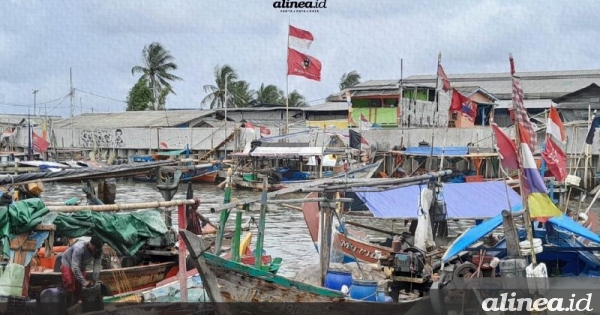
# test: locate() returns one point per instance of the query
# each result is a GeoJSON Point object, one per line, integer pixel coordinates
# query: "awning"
{"type": "Point", "coordinates": [463, 200]}
{"type": "Point", "coordinates": [171, 153]}
{"type": "Point", "coordinates": [426, 151]}
{"type": "Point", "coordinates": [287, 151]}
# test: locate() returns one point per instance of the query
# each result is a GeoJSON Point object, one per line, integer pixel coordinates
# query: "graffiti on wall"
{"type": "Point", "coordinates": [102, 138]}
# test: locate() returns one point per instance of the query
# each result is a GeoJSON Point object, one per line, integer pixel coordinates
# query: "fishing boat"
{"type": "Point", "coordinates": [190, 172]}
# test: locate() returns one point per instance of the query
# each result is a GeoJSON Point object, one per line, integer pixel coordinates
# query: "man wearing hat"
{"type": "Point", "coordinates": [74, 261]}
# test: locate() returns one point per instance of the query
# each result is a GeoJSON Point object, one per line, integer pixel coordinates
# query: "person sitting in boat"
{"type": "Point", "coordinates": [74, 261]}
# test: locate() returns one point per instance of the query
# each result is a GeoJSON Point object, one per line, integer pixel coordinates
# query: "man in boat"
{"type": "Point", "coordinates": [74, 261]}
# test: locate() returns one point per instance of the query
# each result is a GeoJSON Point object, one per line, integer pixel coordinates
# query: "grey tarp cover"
{"type": "Point", "coordinates": [124, 232]}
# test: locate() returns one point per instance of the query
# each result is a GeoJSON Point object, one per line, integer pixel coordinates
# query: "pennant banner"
{"type": "Point", "coordinates": [506, 149]}
{"type": "Point", "coordinates": [556, 160]}
{"type": "Point", "coordinates": [303, 65]}
{"type": "Point", "coordinates": [554, 126]}
{"type": "Point", "coordinates": [464, 105]}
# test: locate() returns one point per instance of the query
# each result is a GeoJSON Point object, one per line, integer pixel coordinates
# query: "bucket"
{"type": "Point", "coordinates": [336, 278]}
{"type": "Point", "coordinates": [365, 290]}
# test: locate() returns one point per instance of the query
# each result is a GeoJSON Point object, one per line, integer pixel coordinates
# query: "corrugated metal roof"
{"type": "Point", "coordinates": [327, 107]}
{"type": "Point", "coordinates": [13, 119]}
{"type": "Point", "coordinates": [134, 119]}
{"type": "Point", "coordinates": [543, 103]}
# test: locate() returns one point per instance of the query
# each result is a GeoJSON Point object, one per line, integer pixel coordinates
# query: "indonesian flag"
{"type": "Point", "coordinates": [39, 144]}
{"type": "Point", "coordinates": [555, 126]}
{"type": "Point", "coordinates": [249, 127]}
{"type": "Point", "coordinates": [364, 123]}
{"type": "Point", "coordinates": [303, 65]}
{"type": "Point", "coordinates": [442, 75]}
{"type": "Point", "coordinates": [264, 131]}
{"type": "Point", "coordinates": [300, 38]}
{"type": "Point", "coordinates": [507, 149]}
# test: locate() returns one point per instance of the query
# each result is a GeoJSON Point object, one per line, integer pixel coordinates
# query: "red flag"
{"type": "Point", "coordinates": [264, 131]}
{"type": "Point", "coordinates": [300, 38]}
{"type": "Point", "coordinates": [464, 105]}
{"type": "Point", "coordinates": [39, 144]}
{"type": "Point", "coordinates": [556, 160]}
{"type": "Point", "coordinates": [506, 149]}
{"type": "Point", "coordinates": [303, 65]}
{"type": "Point", "coordinates": [249, 127]}
{"type": "Point", "coordinates": [442, 75]}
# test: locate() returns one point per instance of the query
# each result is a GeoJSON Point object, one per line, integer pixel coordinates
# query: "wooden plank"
{"type": "Point", "coordinates": [196, 248]}
{"type": "Point", "coordinates": [45, 227]}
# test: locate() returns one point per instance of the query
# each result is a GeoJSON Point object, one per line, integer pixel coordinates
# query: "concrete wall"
{"type": "Point", "coordinates": [203, 139]}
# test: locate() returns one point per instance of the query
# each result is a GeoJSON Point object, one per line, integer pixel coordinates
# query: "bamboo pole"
{"type": "Point", "coordinates": [181, 222]}
{"type": "Point", "coordinates": [261, 226]}
{"type": "Point", "coordinates": [123, 207]}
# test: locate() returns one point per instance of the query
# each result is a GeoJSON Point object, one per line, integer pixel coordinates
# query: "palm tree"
{"type": "Point", "coordinates": [157, 64]}
{"type": "Point", "coordinates": [240, 94]}
{"type": "Point", "coordinates": [216, 93]}
{"type": "Point", "coordinates": [269, 94]}
{"type": "Point", "coordinates": [296, 99]}
{"type": "Point", "coordinates": [349, 79]}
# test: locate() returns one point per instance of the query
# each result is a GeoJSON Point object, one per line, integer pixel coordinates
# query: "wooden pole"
{"type": "Point", "coordinates": [326, 221]}
{"type": "Point", "coordinates": [123, 207]}
{"type": "Point", "coordinates": [181, 223]}
{"type": "Point", "coordinates": [510, 234]}
{"type": "Point", "coordinates": [224, 214]}
{"type": "Point", "coordinates": [261, 226]}
{"type": "Point", "coordinates": [235, 248]}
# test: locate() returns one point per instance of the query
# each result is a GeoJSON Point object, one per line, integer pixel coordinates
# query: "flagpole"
{"type": "Point", "coordinates": [526, 216]}
{"type": "Point", "coordinates": [400, 104]}
{"type": "Point", "coordinates": [437, 81]}
{"type": "Point", "coordinates": [287, 101]}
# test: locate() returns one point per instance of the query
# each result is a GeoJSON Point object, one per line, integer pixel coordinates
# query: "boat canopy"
{"type": "Point", "coordinates": [476, 232]}
{"type": "Point", "coordinates": [475, 200]}
{"type": "Point", "coordinates": [171, 153]}
{"type": "Point", "coordinates": [448, 151]}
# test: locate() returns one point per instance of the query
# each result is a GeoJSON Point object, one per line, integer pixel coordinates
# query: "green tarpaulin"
{"type": "Point", "coordinates": [124, 232]}
{"type": "Point", "coordinates": [18, 218]}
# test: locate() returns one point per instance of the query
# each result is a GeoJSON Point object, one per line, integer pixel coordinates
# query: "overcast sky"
{"type": "Point", "coordinates": [102, 40]}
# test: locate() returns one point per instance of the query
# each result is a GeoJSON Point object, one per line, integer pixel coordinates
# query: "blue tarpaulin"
{"type": "Point", "coordinates": [476, 232]}
{"type": "Point", "coordinates": [473, 234]}
{"type": "Point", "coordinates": [463, 200]}
{"type": "Point", "coordinates": [448, 151]}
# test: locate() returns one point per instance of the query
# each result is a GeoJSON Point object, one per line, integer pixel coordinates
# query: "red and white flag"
{"type": "Point", "coordinates": [249, 127]}
{"type": "Point", "coordinates": [555, 126]}
{"type": "Point", "coordinates": [463, 104]}
{"type": "Point", "coordinates": [364, 123]}
{"type": "Point", "coordinates": [300, 38]}
{"type": "Point", "coordinates": [303, 65]}
{"type": "Point", "coordinates": [442, 75]}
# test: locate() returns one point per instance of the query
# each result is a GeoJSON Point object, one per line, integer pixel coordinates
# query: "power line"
{"type": "Point", "coordinates": [25, 105]}
{"type": "Point", "coordinates": [105, 97]}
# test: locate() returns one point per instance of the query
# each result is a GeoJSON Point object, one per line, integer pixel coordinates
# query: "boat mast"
{"type": "Point", "coordinates": [526, 216]}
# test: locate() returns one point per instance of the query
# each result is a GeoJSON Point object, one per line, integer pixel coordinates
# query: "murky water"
{"type": "Point", "coordinates": [286, 233]}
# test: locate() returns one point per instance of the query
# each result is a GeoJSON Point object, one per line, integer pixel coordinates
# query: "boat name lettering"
{"type": "Point", "coordinates": [361, 251]}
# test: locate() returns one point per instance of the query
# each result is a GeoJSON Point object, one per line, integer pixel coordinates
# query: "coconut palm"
{"type": "Point", "coordinates": [157, 64]}
{"type": "Point", "coordinates": [349, 79]}
{"type": "Point", "coordinates": [296, 99]}
{"type": "Point", "coordinates": [269, 94]}
{"type": "Point", "coordinates": [240, 94]}
{"type": "Point", "coordinates": [216, 93]}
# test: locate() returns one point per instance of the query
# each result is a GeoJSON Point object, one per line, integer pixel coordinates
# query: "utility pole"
{"type": "Point", "coordinates": [71, 94]}
{"type": "Point", "coordinates": [34, 101]}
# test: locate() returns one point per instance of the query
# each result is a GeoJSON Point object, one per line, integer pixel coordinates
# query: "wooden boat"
{"type": "Point", "coordinates": [139, 277]}
{"type": "Point", "coordinates": [209, 177]}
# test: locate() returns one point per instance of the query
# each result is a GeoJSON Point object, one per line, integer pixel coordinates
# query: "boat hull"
{"type": "Point", "coordinates": [139, 277]}
{"type": "Point", "coordinates": [210, 177]}
{"type": "Point", "coordinates": [355, 249]}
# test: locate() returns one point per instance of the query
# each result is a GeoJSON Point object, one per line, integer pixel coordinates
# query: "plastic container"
{"type": "Point", "coordinates": [91, 299]}
{"type": "Point", "coordinates": [364, 290]}
{"type": "Point", "coordinates": [53, 301]}
{"type": "Point", "coordinates": [336, 278]}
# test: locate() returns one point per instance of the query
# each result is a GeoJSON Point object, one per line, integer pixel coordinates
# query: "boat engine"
{"type": "Point", "coordinates": [409, 272]}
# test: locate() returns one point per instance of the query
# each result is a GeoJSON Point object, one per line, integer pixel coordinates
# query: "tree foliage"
{"type": "Point", "coordinates": [140, 96]}
{"type": "Point", "coordinates": [349, 79]}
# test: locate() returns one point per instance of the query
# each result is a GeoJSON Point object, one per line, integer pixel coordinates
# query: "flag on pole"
{"type": "Point", "coordinates": [300, 38]}
{"type": "Point", "coordinates": [349, 102]}
{"type": "Point", "coordinates": [303, 65]}
{"type": "Point", "coordinates": [538, 201]}
{"type": "Point", "coordinates": [520, 112]}
{"type": "Point", "coordinates": [39, 144]}
{"type": "Point", "coordinates": [590, 136]}
{"type": "Point", "coordinates": [463, 104]}
{"type": "Point", "coordinates": [264, 131]}
{"type": "Point", "coordinates": [506, 149]}
{"type": "Point", "coordinates": [364, 123]}
{"type": "Point", "coordinates": [442, 75]}
{"type": "Point", "coordinates": [556, 159]}
{"type": "Point", "coordinates": [554, 126]}
{"type": "Point", "coordinates": [249, 127]}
